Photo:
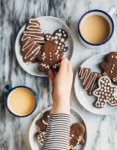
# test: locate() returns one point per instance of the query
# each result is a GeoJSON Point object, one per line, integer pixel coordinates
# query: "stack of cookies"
{"type": "Point", "coordinates": [77, 131]}
{"type": "Point", "coordinates": [46, 49]}
{"type": "Point", "coordinates": [102, 85]}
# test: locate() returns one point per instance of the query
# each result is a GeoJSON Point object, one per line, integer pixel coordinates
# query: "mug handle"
{"type": "Point", "coordinates": [112, 11]}
{"type": "Point", "coordinates": [8, 87]}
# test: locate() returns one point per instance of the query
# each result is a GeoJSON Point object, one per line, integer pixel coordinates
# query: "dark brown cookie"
{"type": "Point", "coordinates": [43, 122]}
{"type": "Point", "coordinates": [32, 40]}
{"type": "Point", "coordinates": [109, 67]}
{"type": "Point", "coordinates": [40, 136]}
{"type": "Point", "coordinates": [62, 34]}
{"type": "Point", "coordinates": [42, 125]}
{"type": "Point", "coordinates": [112, 57]}
{"type": "Point", "coordinates": [88, 79]}
{"type": "Point", "coordinates": [60, 42]}
{"type": "Point", "coordinates": [105, 93]}
{"type": "Point", "coordinates": [50, 55]}
{"type": "Point", "coordinates": [77, 131]}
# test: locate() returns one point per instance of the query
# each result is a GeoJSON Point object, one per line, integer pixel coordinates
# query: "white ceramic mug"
{"type": "Point", "coordinates": [104, 15]}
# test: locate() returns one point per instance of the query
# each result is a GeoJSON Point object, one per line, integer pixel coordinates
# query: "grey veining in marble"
{"type": "Point", "coordinates": [13, 15]}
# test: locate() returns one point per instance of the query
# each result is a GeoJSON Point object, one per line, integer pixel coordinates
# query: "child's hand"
{"type": "Point", "coordinates": [62, 83]}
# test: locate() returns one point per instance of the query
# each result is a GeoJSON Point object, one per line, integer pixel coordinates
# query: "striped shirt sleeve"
{"type": "Point", "coordinates": [58, 130]}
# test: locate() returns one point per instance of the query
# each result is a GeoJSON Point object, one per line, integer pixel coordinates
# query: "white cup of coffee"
{"type": "Point", "coordinates": [95, 28]}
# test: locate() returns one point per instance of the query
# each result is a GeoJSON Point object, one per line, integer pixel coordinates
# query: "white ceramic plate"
{"type": "Point", "coordinates": [85, 100]}
{"type": "Point", "coordinates": [48, 25]}
{"type": "Point", "coordinates": [75, 117]}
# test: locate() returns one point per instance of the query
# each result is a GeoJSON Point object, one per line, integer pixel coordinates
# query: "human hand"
{"type": "Point", "coordinates": [62, 83]}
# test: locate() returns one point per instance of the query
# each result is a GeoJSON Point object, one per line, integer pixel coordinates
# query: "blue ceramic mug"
{"type": "Point", "coordinates": [34, 98]}
{"type": "Point", "coordinates": [106, 16]}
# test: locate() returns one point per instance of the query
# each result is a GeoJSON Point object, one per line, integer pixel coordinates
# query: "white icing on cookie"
{"type": "Point", "coordinates": [31, 40]}
{"type": "Point", "coordinates": [88, 79]}
{"type": "Point", "coordinates": [44, 122]}
{"type": "Point", "coordinates": [108, 97]}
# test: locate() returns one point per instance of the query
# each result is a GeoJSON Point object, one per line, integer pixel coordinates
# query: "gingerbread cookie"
{"type": "Point", "coordinates": [51, 54]}
{"type": "Point", "coordinates": [42, 125]}
{"type": "Point", "coordinates": [109, 67]}
{"type": "Point", "coordinates": [32, 40]}
{"type": "Point", "coordinates": [88, 79]}
{"type": "Point", "coordinates": [62, 34]}
{"type": "Point", "coordinates": [40, 136]}
{"type": "Point", "coordinates": [77, 131]}
{"type": "Point", "coordinates": [60, 41]}
{"type": "Point", "coordinates": [106, 93]}
{"type": "Point", "coordinates": [43, 122]}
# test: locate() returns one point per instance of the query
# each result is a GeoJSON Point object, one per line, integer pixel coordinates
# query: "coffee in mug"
{"type": "Point", "coordinates": [95, 29]}
{"type": "Point", "coordinates": [21, 101]}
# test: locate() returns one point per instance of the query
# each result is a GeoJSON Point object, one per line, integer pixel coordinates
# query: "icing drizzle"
{"type": "Point", "coordinates": [31, 39]}
{"type": "Point", "coordinates": [88, 79]}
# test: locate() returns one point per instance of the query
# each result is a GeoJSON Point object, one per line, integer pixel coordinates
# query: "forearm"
{"type": "Point", "coordinates": [57, 136]}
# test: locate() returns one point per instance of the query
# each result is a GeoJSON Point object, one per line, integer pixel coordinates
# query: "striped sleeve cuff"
{"type": "Point", "coordinates": [57, 136]}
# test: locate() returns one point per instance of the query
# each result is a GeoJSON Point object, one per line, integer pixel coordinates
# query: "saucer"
{"type": "Point", "coordinates": [48, 25]}
{"type": "Point", "coordinates": [81, 95]}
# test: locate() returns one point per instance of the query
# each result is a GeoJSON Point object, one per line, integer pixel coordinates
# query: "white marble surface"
{"type": "Point", "coordinates": [13, 14]}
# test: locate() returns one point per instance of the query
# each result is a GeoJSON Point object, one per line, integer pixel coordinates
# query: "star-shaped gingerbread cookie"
{"type": "Point", "coordinates": [106, 93]}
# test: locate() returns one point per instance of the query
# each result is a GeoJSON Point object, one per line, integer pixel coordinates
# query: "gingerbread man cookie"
{"type": "Point", "coordinates": [32, 40]}
{"type": "Point", "coordinates": [62, 34]}
{"type": "Point", "coordinates": [52, 53]}
{"type": "Point", "coordinates": [40, 136]}
{"type": "Point", "coordinates": [109, 67]}
{"type": "Point", "coordinates": [43, 122]}
{"type": "Point", "coordinates": [42, 125]}
{"type": "Point", "coordinates": [88, 79]}
{"type": "Point", "coordinates": [106, 93]}
{"type": "Point", "coordinates": [59, 40]}
{"type": "Point", "coordinates": [77, 131]}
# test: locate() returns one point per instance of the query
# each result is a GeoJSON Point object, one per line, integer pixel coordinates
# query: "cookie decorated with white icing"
{"type": "Point", "coordinates": [40, 136]}
{"type": "Point", "coordinates": [62, 34]}
{"type": "Point", "coordinates": [77, 131]}
{"type": "Point", "coordinates": [42, 126]}
{"type": "Point", "coordinates": [105, 93]}
{"type": "Point", "coordinates": [61, 45]}
{"type": "Point", "coordinates": [88, 79]}
{"type": "Point", "coordinates": [32, 40]}
{"type": "Point", "coordinates": [109, 67]}
{"type": "Point", "coordinates": [43, 122]}
{"type": "Point", "coordinates": [49, 56]}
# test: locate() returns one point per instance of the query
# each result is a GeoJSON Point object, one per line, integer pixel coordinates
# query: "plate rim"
{"type": "Point", "coordinates": [48, 108]}
{"type": "Point", "coordinates": [78, 98]}
{"type": "Point", "coordinates": [22, 28]}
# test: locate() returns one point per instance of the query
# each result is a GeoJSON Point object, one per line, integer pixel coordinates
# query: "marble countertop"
{"type": "Point", "coordinates": [13, 15]}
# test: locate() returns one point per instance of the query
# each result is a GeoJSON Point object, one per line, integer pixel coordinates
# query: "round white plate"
{"type": "Point", "coordinates": [75, 117]}
{"type": "Point", "coordinates": [48, 24]}
{"type": "Point", "coordinates": [88, 101]}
